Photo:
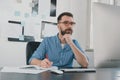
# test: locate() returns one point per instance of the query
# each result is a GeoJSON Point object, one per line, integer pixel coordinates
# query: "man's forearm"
{"type": "Point", "coordinates": [35, 62]}
{"type": "Point", "coordinates": [42, 63]}
{"type": "Point", "coordinates": [80, 57]}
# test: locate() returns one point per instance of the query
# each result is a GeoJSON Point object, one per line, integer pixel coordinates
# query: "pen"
{"type": "Point", "coordinates": [47, 56]}
{"type": "Point", "coordinates": [49, 60]}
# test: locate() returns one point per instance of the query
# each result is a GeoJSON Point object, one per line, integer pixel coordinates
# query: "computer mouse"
{"type": "Point", "coordinates": [57, 71]}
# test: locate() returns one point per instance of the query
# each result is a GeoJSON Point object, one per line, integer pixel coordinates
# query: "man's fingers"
{"type": "Point", "coordinates": [46, 63]}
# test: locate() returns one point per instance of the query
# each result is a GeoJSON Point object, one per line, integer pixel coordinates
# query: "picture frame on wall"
{"type": "Point", "coordinates": [53, 8]}
{"type": "Point", "coordinates": [35, 6]}
{"type": "Point", "coordinates": [48, 29]}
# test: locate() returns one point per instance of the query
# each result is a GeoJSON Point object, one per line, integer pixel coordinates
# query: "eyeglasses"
{"type": "Point", "coordinates": [67, 22]}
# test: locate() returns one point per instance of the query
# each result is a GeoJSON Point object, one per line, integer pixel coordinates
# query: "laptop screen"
{"type": "Point", "coordinates": [106, 35]}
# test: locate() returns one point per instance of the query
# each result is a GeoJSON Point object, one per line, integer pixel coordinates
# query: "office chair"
{"type": "Point", "coordinates": [30, 48]}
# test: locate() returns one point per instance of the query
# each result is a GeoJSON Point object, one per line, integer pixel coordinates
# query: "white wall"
{"type": "Point", "coordinates": [13, 53]}
{"type": "Point", "coordinates": [80, 9]}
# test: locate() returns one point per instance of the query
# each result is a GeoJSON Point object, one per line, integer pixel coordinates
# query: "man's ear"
{"type": "Point", "coordinates": [58, 27]}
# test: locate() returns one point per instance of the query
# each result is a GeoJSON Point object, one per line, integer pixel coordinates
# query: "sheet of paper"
{"type": "Point", "coordinates": [51, 68]}
{"type": "Point", "coordinates": [18, 70]}
{"type": "Point", "coordinates": [118, 73]}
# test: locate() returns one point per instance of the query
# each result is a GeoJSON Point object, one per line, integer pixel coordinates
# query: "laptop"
{"type": "Point", "coordinates": [106, 35]}
{"type": "Point", "coordinates": [78, 69]}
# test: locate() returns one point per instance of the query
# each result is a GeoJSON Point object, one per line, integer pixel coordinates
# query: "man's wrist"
{"type": "Point", "coordinates": [71, 44]}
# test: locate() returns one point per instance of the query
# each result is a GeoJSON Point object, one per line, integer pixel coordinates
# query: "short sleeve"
{"type": "Point", "coordinates": [39, 53]}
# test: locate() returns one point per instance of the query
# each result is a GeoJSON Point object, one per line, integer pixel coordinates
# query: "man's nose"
{"type": "Point", "coordinates": [69, 25]}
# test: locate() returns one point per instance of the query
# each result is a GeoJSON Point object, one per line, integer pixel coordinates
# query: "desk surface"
{"type": "Point", "coordinates": [100, 74]}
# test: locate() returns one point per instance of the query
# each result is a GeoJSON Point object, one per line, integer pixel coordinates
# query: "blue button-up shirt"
{"type": "Point", "coordinates": [51, 46]}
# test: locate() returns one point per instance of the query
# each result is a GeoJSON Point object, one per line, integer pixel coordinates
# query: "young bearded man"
{"type": "Point", "coordinates": [61, 49]}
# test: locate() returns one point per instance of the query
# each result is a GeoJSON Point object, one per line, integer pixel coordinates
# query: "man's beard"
{"type": "Point", "coordinates": [67, 31]}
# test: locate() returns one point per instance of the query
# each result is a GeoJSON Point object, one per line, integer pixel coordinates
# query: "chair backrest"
{"type": "Point", "coordinates": [30, 48]}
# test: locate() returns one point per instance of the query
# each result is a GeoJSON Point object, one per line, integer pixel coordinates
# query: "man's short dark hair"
{"type": "Point", "coordinates": [64, 14]}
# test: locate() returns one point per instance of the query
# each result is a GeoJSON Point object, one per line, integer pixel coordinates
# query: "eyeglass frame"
{"type": "Point", "coordinates": [67, 22]}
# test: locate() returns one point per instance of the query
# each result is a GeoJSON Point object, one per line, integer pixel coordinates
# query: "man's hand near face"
{"type": "Point", "coordinates": [68, 38]}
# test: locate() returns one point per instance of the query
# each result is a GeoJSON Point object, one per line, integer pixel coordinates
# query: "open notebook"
{"type": "Point", "coordinates": [53, 68]}
{"type": "Point", "coordinates": [38, 68]}
{"type": "Point", "coordinates": [31, 69]}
